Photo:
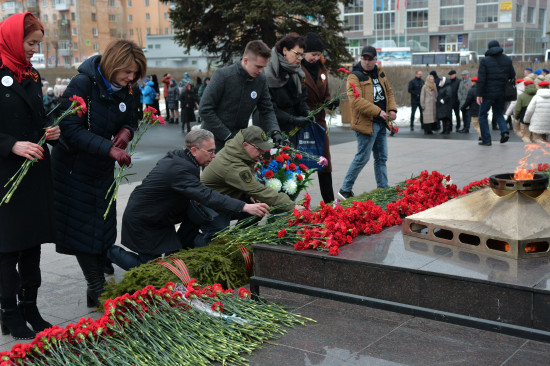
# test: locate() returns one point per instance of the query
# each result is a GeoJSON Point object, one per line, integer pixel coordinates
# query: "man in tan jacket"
{"type": "Point", "coordinates": [370, 110]}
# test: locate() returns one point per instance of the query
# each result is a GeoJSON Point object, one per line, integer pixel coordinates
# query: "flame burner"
{"type": "Point", "coordinates": [512, 219]}
{"type": "Point", "coordinates": [505, 184]}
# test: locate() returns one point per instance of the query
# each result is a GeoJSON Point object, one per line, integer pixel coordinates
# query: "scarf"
{"type": "Point", "coordinates": [272, 73]}
{"type": "Point", "coordinates": [313, 69]}
{"type": "Point", "coordinates": [12, 52]}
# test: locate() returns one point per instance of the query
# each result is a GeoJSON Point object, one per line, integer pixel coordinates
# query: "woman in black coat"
{"type": "Point", "coordinates": [83, 163]}
{"type": "Point", "coordinates": [444, 105]}
{"type": "Point", "coordinates": [285, 78]}
{"type": "Point", "coordinates": [189, 101]}
{"type": "Point", "coordinates": [27, 220]}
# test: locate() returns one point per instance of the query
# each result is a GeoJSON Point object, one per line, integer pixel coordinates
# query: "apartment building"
{"type": "Point", "coordinates": [449, 25]}
{"type": "Point", "coordinates": [77, 29]}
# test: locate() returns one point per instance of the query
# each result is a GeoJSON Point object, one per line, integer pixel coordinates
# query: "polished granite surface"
{"type": "Point", "coordinates": [354, 335]}
{"type": "Point", "coordinates": [392, 248]}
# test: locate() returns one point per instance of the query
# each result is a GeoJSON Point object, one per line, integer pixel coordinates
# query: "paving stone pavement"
{"type": "Point", "coordinates": [347, 334]}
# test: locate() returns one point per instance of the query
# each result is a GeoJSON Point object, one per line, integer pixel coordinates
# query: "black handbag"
{"type": "Point", "coordinates": [510, 91]}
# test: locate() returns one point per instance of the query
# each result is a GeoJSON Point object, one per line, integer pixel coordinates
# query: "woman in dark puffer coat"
{"type": "Point", "coordinates": [83, 162]}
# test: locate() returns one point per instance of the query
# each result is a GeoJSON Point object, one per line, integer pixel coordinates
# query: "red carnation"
{"type": "Point", "coordinates": [334, 250]}
{"type": "Point", "coordinates": [269, 174]}
{"type": "Point", "coordinates": [281, 233]}
{"type": "Point", "coordinates": [292, 166]}
{"type": "Point", "coordinates": [298, 156]}
{"type": "Point", "coordinates": [279, 159]}
{"type": "Point", "coordinates": [303, 167]}
{"type": "Point", "coordinates": [300, 177]}
{"type": "Point", "coordinates": [343, 70]}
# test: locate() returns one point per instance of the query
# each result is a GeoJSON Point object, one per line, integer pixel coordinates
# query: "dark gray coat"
{"type": "Point", "coordinates": [28, 219]}
{"type": "Point", "coordinates": [161, 201]}
{"type": "Point", "coordinates": [83, 175]}
{"type": "Point", "coordinates": [228, 102]}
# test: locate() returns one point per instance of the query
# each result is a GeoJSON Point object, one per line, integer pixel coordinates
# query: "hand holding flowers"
{"type": "Point", "coordinates": [33, 152]}
{"type": "Point", "coordinates": [327, 104]}
{"type": "Point", "coordinates": [121, 139]}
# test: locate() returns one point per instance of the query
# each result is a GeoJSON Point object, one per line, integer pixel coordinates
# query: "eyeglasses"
{"type": "Point", "coordinates": [257, 148]}
{"type": "Point", "coordinates": [209, 152]}
{"type": "Point", "coordinates": [298, 54]}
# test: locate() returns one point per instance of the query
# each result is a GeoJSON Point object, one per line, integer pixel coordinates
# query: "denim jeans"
{"type": "Point", "coordinates": [498, 115]}
{"type": "Point", "coordinates": [126, 259]}
{"type": "Point", "coordinates": [378, 144]}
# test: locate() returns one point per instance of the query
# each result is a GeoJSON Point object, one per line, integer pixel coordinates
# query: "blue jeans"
{"type": "Point", "coordinates": [126, 259]}
{"type": "Point", "coordinates": [498, 115]}
{"type": "Point", "coordinates": [378, 144]}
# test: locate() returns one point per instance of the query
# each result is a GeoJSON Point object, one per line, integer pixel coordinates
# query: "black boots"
{"type": "Point", "coordinates": [27, 307]}
{"type": "Point", "coordinates": [12, 321]}
{"type": "Point", "coordinates": [92, 267]}
{"type": "Point", "coordinates": [447, 127]}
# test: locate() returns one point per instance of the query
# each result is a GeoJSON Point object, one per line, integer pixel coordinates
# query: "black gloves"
{"type": "Point", "coordinates": [120, 156]}
{"type": "Point", "coordinates": [300, 121]}
{"type": "Point", "coordinates": [333, 104]}
{"type": "Point", "coordinates": [277, 138]}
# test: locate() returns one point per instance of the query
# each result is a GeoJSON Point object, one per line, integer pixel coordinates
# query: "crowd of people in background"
{"type": "Point", "coordinates": [438, 97]}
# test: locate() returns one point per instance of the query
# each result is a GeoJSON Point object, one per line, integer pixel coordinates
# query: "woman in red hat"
{"type": "Point", "coordinates": [21, 127]}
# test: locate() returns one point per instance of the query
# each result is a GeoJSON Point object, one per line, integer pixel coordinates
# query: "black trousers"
{"type": "Point", "coordinates": [414, 106]}
{"type": "Point", "coordinates": [19, 270]}
{"type": "Point", "coordinates": [456, 109]}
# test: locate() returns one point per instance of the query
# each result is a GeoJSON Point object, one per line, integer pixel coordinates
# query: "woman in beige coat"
{"type": "Point", "coordinates": [428, 100]}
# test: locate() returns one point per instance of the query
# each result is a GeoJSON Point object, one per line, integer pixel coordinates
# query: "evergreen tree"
{"type": "Point", "coordinates": [224, 27]}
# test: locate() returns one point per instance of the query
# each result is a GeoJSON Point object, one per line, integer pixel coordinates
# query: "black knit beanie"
{"type": "Point", "coordinates": [313, 43]}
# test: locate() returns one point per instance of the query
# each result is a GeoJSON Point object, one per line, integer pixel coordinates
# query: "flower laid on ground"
{"type": "Point", "coordinates": [162, 327]}
{"type": "Point", "coordinates": [332, 226]}
{"type": "Point", "coordinates": [149, 119]}
{"type": "Point", "coordinates": [283, 172]}
{"type": "Point", "coordinates": [342, 73]}
{"type": "Point", "coordinates": [78, 106]}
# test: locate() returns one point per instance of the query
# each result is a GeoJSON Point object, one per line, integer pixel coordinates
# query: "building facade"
{"type": "Point", "coordinates": [77, 29]}
{"type": "Point", "coordinates": [162, 51]}
{"type": "Point", "coordinates": [449, 25]}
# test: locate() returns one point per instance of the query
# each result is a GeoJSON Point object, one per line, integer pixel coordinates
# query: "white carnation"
{"type": "Point", "coordinates": [274, 183]}
{"type": "Point", "coordinates": [290, 186]}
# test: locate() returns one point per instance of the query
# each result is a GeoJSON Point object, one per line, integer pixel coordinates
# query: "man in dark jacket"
{"type": "Point", "coordinates": [415, 87]}
{"type": "Point", "coordinates": [494, 71]}
{"type": "Point", "coordinates": [233, 93]}
{"type": "Point", "coordinates": [163, 200]}
{"type": "Point", "coordinates": [455, 103]}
